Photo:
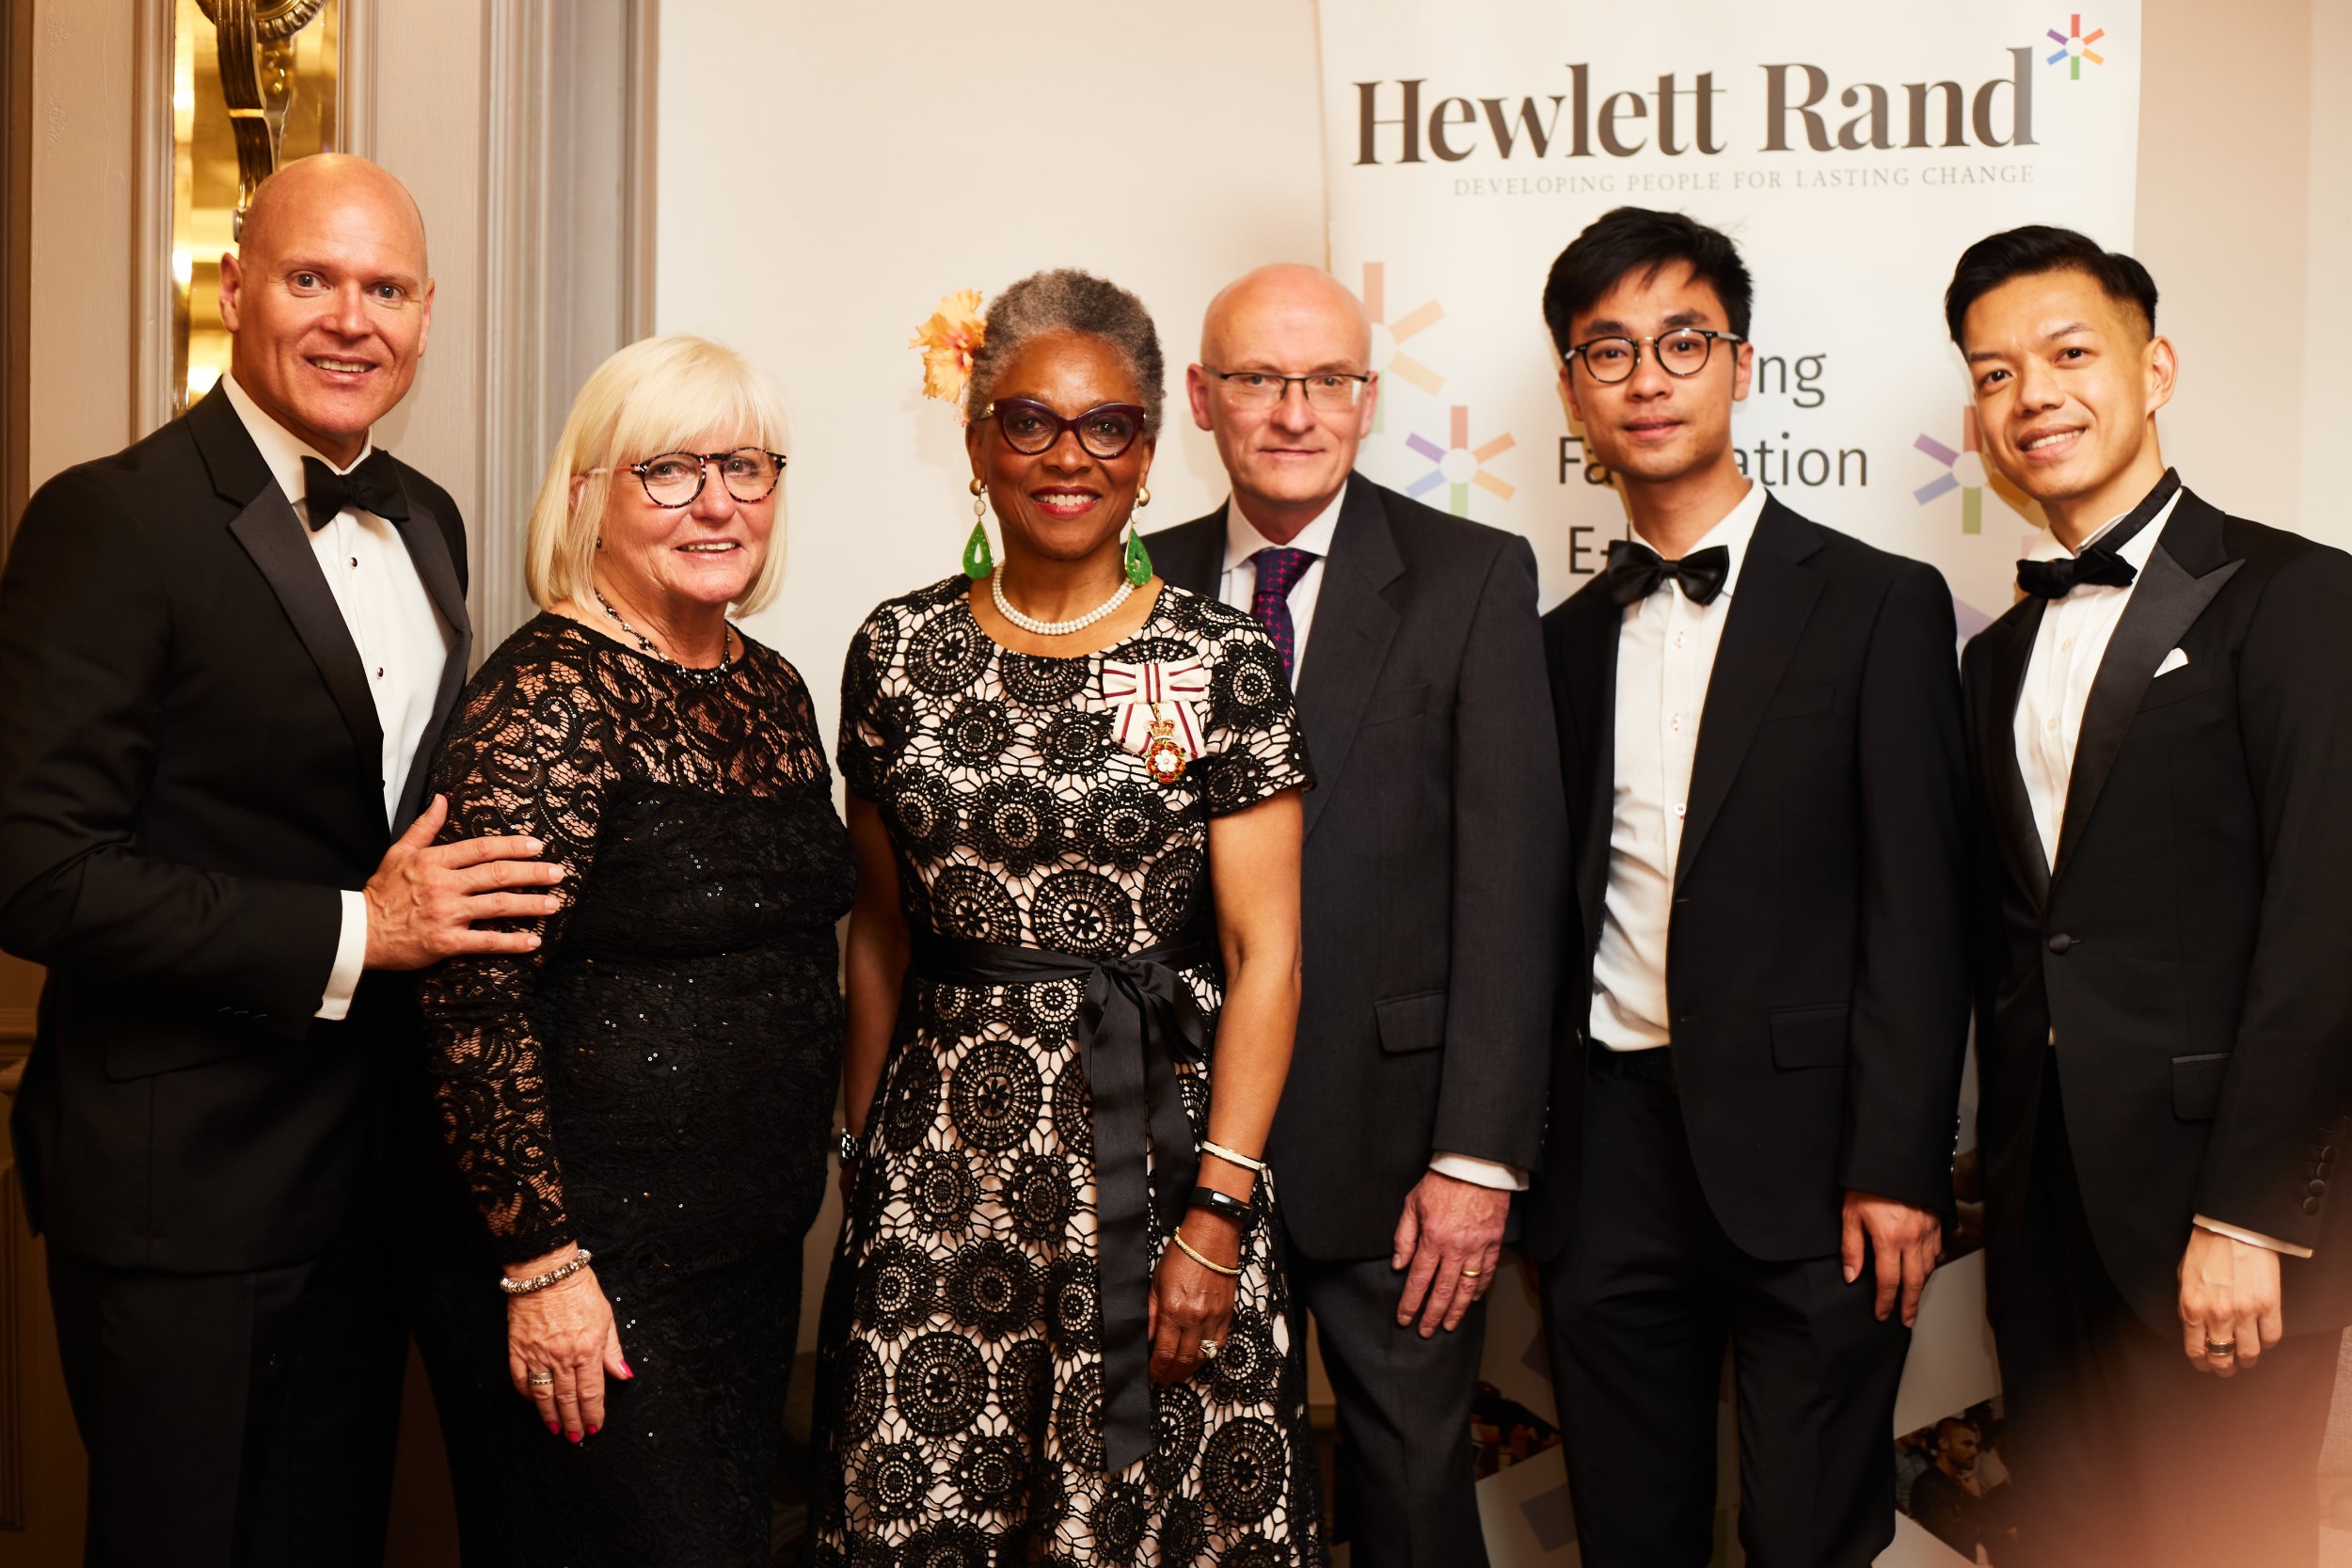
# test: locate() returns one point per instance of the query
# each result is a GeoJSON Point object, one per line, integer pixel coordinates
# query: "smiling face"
{"type": "Point", "coordinates": [2067, 381]}
{"type": "Point", "coordinates": [678, 564]}
{"type": "Point", "coordinates": [1654, 428]}
{"type": "Point", "coordinates": [1287, 461]}
{"type": "Point", "coordinates": [327, 300]}
{"type": "Point", "coordinates": [1064, 503]}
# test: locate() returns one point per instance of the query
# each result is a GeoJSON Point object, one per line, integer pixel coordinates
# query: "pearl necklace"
{"type": "Point", "coordinates": [1052, 629]}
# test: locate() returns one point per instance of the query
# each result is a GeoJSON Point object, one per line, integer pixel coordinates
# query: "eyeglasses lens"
{"type": "Point", "coordinates": [1684, 353]}
{"type": "Point", "coordinates": [674, 479]}
{"type": "Point", "coordinates": [750, 473]}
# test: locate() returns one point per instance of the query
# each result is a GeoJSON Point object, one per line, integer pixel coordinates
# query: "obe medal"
{"type": "Point", "coordinates": [1164, 756]}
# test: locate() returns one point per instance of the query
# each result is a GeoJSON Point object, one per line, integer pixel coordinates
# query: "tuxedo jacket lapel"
{"type": "Point", "coordinates": [2183, 574]}
{"type": "Point", "coordinates": [428, 551]}
{"type": "Point", "coordinates": [2004, 779]}
{"type": "Point", "coordinates": [1588, 680]}
{"type": "Point", "coordinates": [1353, 627]}
{"type": "Point", "coordinates": [264, 522]}
{"type": "Point", "coordinates": [1770, 606]}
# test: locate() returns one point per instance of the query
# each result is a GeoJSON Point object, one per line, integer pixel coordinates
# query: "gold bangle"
{"type": "Point", "coordinates": [1233, 1273]}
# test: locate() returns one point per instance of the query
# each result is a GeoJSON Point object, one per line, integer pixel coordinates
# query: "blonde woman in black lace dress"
{"type": "Point", "coordinates": [1057, 1331]}
{"type": "Point", "coordinates": [653, 1085]}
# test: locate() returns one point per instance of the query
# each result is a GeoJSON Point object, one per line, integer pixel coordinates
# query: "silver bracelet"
{"type": "Point", "coordinates": [1244, 1160]}
{"type": "Point", "coordinates": [555, 1275]}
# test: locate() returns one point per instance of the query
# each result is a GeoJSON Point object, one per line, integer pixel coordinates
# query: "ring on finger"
{"type": "Point", "coordinates": [2218, 1348]}
{"type": "Point", "coordinates": [543, 1380]}
{"type": "Point", "coordinates": [1208, 1350]}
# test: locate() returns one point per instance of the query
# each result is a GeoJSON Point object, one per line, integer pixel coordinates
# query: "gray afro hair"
{"type": "Point", "coordinates": [1067, 300]}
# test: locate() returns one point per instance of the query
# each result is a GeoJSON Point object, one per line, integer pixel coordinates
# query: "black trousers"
{"type": "Point", "coordinates": [234, 1418]}
{"type": "Point", "coordinates": [2120, 1453]}
{"type": "Point", "coordinates": [1639, 1308]}
{"type": "Point", "coordinates": [1406, 1483]}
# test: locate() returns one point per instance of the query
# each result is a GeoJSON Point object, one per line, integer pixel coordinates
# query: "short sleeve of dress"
{"type": "Point", "coordinates": [1254, 750]}
{"type": "Point", "coordinates": [864, 725]}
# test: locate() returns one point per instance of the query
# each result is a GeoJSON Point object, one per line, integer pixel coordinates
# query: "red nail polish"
{"type": "Point", "coordinates": [593, 1431]}
{"type": "Point", "coordinates": [554, 1427]}
{"type": "Point", "coordinates": [627, 1370]}
{"type": "Point", "coordinates": [572, 1436]}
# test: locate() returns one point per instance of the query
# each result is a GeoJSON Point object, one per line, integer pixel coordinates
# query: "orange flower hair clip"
{"type": "Point", "coordinates": [948, 341]}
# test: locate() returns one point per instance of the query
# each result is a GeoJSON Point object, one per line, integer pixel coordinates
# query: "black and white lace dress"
{"type": "Point", "coordinates": [656, 1081]}
{"type": "Point", "coordinates": [980, 1378]}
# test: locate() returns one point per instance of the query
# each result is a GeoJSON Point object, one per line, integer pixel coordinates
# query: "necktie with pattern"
{"type": "Point", "coordinates": [1278, 571]}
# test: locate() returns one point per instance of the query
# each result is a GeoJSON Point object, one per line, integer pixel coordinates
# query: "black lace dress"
{"type": "Point", "coordinates": [969, 1387]}
{"type": "Point", "coordinates": [656, 1083]}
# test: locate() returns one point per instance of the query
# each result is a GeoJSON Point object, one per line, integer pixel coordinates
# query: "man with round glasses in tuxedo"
{"type": "Point", "coordinates": [1758, 1059]}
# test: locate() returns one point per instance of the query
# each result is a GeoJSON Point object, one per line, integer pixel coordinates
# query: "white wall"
{"type": "Point", "coordinates": [903, 151]}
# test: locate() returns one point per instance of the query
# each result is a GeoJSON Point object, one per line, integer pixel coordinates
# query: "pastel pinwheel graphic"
{"type": "Point", "coordinates": [2074, 47]}
{"type": "Point", "coordinates": [1966, 475]}
{"type": "Point", "coordinates": [1386, 335]}
{"type": "Point", "coordinates": [1459, 466]}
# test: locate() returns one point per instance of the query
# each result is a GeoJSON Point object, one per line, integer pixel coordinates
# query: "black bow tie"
{"type": "Point", "coordinates": [2103, 563]}
{"type": "Point", "coordinates": [1635, 572]}
{"type": "Point", "coordinates": [372, 486]}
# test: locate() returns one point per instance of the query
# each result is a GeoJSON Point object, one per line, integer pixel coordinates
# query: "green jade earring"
{"type": "Point", "coordinates": [1138, 559]}
{"type": "Point", "coordinates": [977, 561]}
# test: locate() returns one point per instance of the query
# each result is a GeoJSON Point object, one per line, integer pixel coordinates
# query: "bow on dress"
{"type": "Point", "coordinates": [1172, 687]}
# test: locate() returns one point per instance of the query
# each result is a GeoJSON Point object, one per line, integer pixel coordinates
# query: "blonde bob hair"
{"type": "Point", "coordinates": [656, 395]}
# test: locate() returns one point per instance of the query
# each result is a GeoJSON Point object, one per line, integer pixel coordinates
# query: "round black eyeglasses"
{"type": "Point", "coordinates": [1682, 352]}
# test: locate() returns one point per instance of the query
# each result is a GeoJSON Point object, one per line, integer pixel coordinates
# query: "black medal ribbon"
{"type": "Point", "coordinates": [1137, 1022]}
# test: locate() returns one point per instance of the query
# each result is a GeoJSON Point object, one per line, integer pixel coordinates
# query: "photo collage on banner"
{"type": "Point", "coordinates": [1853, 150]}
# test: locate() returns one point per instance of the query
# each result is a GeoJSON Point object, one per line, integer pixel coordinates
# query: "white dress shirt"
{"type": "Point", "coordinates": [402, 640]}
{"type": "Point", "coordinates": [2068, 650]}
{"type": "Point", "coordinates": [1665, 656]}
{"type": "Point", "coordinates": [1237, 585]}
{"type": "Point", "coordinates": [2066, 653]}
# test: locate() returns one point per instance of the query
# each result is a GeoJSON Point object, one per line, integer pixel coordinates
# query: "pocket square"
{"type": "Point", "coordinates": [2173, 661]}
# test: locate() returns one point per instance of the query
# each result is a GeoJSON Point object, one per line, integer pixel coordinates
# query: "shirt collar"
{"type": "Point", "coordinates": [1733, 532]}
{"type": "Point", "coordinates": [2140, 545]}
{"type": "Point", "coordinates": [280, 448]}
{"type": "Point", "coordinates": [1243, 540]}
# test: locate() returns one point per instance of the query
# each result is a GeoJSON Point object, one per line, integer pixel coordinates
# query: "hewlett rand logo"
{"type": "Point", "coordinates": [1796, 108]}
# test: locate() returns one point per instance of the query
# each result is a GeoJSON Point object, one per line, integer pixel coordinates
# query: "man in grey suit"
{"type": "Point", "coordinates": [1433, 894]}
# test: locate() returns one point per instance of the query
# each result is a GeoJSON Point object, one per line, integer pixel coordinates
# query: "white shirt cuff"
{"type": "Point", "coordinates": [2252, 1238]}
{"type": "Point", "coordinates": [1483, 1173]}
{"type": "Point", "coordinates": [350, 952]}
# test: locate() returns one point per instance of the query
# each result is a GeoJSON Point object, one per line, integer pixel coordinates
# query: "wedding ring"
{"type": "Point", "coordinates": [543, 1380]}
{"type": "Point", "coordinates": [1208, 1350]}
{"type": "Point", "coordinates": [1469, 1273]}
{"type": "Point", "coordinates": [2221, 1347]}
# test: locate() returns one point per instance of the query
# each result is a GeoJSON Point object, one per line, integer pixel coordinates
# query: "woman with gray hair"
{"type": "Point", "coordinates": [634, 1113]}
{"type": "Point", "coordinates": [1057, 1330]}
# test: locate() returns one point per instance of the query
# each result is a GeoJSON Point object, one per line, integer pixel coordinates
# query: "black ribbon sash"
{"type": "Point", "coordinates": [1137, 1022]}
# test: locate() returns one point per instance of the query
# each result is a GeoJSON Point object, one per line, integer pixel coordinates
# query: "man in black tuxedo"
{"type": "Point", "coordinates": [1431, 890]}
{"type": "Point", "coordinates": [218, 717]}
{"type": "Point", "coordinates": [1755, 1095]}
{"type": "Point", "coordinates": [2161, 742]}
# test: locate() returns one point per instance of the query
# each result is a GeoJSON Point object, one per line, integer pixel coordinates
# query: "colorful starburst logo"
{"type": "Point", "coordinates": [1459, 464]}
{"type": "Point", "coordinates": [2074, 47]}
{"type": "Point", "coordinates": [1386, 335]}
{"type": "Point", "coordinates": [1966, 473]}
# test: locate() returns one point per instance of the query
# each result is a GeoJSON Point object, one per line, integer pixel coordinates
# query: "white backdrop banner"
{"type": "Point", "coordinates": [1853, 149]}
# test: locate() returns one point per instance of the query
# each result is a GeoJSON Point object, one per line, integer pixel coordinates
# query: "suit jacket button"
{"type": "Point", "coordinates": [2060, 942]}
{"type": "Point", "coordinates": [2318, 1189]}
{"type": "Point", "coordinates": [224, 1010]}
{"type": "Point", "coordinates": [261, 1018]}
{"type": "Point", "coordinates": [2311, 1205]}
